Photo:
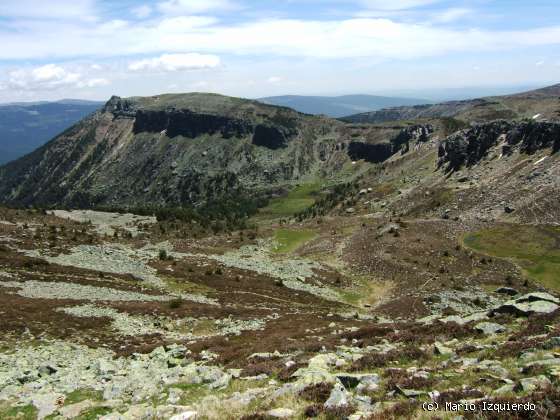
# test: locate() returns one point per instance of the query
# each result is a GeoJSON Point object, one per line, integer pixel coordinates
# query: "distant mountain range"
{"type": "Point", "coordinates": [339, 106]}
{"type": "Point", "coordinates": [26, 126]}
{"type": "Point", "coordinates": [539, 103]}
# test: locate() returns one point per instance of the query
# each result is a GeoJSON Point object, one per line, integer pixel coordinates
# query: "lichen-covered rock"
{"type": "Point", "coordinates": [339, 397]}
{"type": "Point", "coordinates": [489, 328]}
{"type": "Point", "coordinates": [532, 384]}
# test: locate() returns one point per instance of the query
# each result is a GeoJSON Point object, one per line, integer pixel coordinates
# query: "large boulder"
{"type": "Point", "coordinates": [531, 303]}
{"type": "Point", "coordinates": [352, 380]}
{"type": "Point", "coordinates": [339, 397]}
{"type": "Point", "coordinates": [489, 328]}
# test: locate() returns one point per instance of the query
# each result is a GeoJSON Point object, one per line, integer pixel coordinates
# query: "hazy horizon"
{"type": "Point", "coordinates": [431, 95]}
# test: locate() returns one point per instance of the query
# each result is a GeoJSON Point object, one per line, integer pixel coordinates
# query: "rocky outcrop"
{"type": "Point", "coordinates": [532, 136]}
{"type": "Point", "coordinates": [470, 146]}
{"type": "Point", "coordinates": [379, 152]}
{"type": "Point", "coordinates": [189, 124]}
{"type": "Point", "coordinates": [414, 134]}
{"type": "Point", "coordinates": [531, 303]}
{"type": "Point", "coordinates": [120, 107]}
{"type": "Point", "coordinates": [272, 137]}
{"type": "Point", "coordinates": [374, 153]}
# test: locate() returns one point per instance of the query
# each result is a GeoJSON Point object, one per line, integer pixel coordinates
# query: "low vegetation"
{"type": "Point", "coordinates": [534, 248]}
{"type": "Point", "coordinates": [288, 240]}
{"type": "Point", "coordinates": [297, 200]}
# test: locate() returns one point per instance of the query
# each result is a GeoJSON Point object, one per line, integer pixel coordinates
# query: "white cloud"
{"type": "Point", "coordinates": [142, 12]}
{"type": "Point", "coordinates": [179, 7]}
{"type": "Point", "coordinates": [182, 24]}
{"type": "Point", "coordinates": [452, 15]}
{"type": "Point", "coordinates": [49, 77]}
{"type": "Point", "coordinates": [274, 79]}
{"type": "Point", "coordinates": [93, 83]}
{"type": "Point", "coordinates": [332, 39]}
{"type": "Point", "coordinates": [176, 62]}
{"type": "Point", "coordinates": [59, 9]}
{"type": "Point", "coordinates": [539, 63]}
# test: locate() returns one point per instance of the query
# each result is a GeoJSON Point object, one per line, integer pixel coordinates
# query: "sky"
{"type": "Point", "coordinates": [92, 49]}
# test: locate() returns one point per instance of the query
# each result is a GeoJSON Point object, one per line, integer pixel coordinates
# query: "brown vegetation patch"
{"type": "Point", "coordinates": [377, 360]}
{"type": "Point", "coordinates": [331, 413]}
{"type": "Point", "coordinates": [257, 367]}
{"type": "Point", "coordinates": [421, 255]}
{"type": "Point", "coordinates": [401, 410]}
{"type": "Point", "coordinates": [318, 393]}
{"type": "Point", "coordinates": [409, 307]}
{"type": "Point", "coordinates": [427, 334]}
{"type": "Point", "coordinates": [39, 317]}
{"type": "Point", "coordinates": [286, 334]}
{"type": "Point", "coordinates": [402, 379]}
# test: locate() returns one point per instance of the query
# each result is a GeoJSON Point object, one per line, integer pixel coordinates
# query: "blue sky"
{"type": "Point", "coordinates": [92, 49]}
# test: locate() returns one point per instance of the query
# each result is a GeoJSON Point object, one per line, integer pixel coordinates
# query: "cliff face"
{"type": "Point", "coordinates": [374, 153]}
{"type": "Point", "coordinates": [381, 151]}
{"type": "Point", "coordinates": [189, 124]}
{"type": "Point", "coordinates": [468, 147]}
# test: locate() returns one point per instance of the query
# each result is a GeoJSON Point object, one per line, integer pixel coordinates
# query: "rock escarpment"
{"type": "Point", "coordinates": [272, 137]}
{"type": "Point", "coordinates": [186, 123]}
{"type": "Point", "coordinates": [379, 152]}
{"type": "Point", "coordinates": [369, 152]}
{"type": "Point", "coordinates": [175, 122]}
{"type": "Point", "coordinates": [470, 146]}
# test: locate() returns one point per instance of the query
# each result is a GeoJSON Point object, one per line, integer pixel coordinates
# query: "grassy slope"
{"type": "Point", "coordinates": [535, 248]}
{"type": "Point", "coordinates": [289, 240]}
{"type": "Point", "coordinates": [298, 199]}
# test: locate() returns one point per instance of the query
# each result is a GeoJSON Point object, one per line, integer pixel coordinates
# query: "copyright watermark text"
{"type": "Point", "coordinates": [478, 406]}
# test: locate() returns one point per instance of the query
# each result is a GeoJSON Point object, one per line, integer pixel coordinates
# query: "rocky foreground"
{"type": "Point", "coordinates": [82, 339]}
{"type": "Point", "coordinates": [380, 370]}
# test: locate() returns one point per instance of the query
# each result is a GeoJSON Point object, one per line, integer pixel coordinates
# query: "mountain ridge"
{"type": "Point", "coordinates": [195, 148]}
{"type": "Point", "coordinates": [544, 101]}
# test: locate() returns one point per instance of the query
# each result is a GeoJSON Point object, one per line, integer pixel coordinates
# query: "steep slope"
{"type": "Point", "coordinates": [24, 127]}
{"type": "Point", "coordinates": [339, 106]}
{"type": "Point", "coordinates": [173, 149]}
{"type": "Point", "coordinates": [545, 102]}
